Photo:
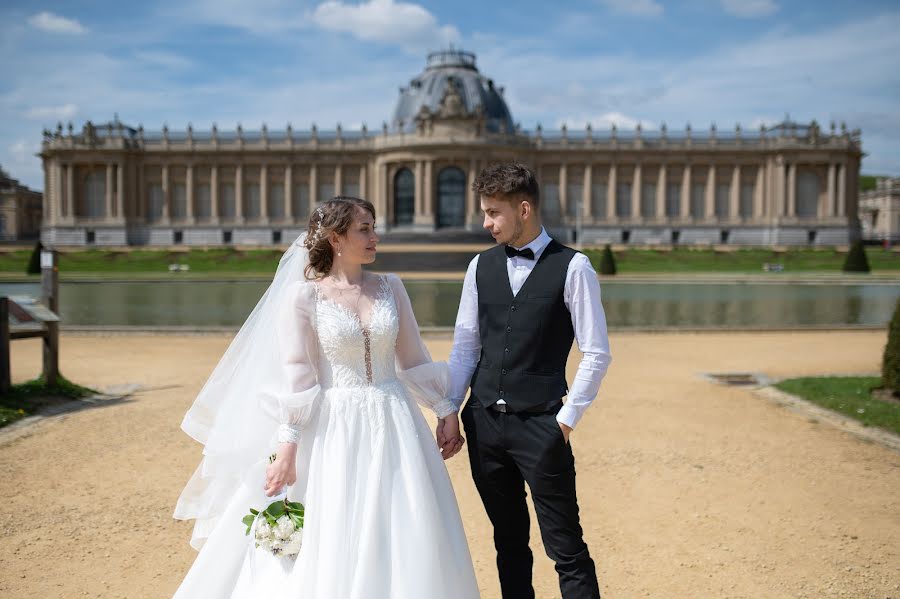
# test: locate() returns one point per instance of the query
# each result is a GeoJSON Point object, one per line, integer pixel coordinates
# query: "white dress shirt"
{"type": "Point", "coordinates": [582, 298]}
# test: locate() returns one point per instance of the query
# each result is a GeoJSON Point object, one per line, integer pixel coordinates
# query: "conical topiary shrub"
{"type": "Point", "coordinates": [890, 365]}
{"type": "Point", "coordinates": [607, 261]}
{"type": "Point", "coordinates": [856, 259]}
{"type": "Point", "coordinates": [34, 263]}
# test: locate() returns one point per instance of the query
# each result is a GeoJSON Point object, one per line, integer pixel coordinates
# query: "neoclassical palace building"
{"type": "Point", "coordinates": [111, 184]}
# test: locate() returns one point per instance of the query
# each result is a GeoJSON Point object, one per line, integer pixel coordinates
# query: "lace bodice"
{"type": "Point", "coordinates": [326, 346]}
{"type": "Point", "coordinates": [356, 353]}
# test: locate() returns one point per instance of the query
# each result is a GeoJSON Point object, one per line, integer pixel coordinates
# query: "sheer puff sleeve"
{"type": "Point", "coordinates": [297, 346]}
{"type": "Point", "coordinates": [428, 382]}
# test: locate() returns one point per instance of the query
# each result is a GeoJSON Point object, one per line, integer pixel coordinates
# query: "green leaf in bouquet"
{"type": "Point", "coordinates": [248, 520]}
{"type": "Point", "coordinates": [276, 509]}
{"type": "Point", "coordinates": [253, 511]}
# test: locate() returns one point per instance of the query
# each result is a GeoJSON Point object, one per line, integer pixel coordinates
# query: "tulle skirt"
{"type": "Point", "coordinates": [381, 517]}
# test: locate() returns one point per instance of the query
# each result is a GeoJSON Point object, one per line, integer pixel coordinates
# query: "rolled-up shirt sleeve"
{"type": "Point", "coordinates": [582, 297]}
{"type": "Point", "coordinates": [466, 338]}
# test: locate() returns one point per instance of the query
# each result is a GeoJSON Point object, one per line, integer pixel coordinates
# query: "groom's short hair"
{"type": "Point", "coordinates": [509, 180]}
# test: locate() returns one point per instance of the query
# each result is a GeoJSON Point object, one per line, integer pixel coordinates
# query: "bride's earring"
{"type": "Point", "coordinates": [339, 251]}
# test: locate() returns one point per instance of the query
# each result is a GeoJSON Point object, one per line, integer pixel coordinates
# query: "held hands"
{"type": "Point", "coordinates": [448, 437]}
{"type": "Point", "coordinates": [283, 471]}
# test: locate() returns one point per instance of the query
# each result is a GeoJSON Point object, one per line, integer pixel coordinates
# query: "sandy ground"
{"type": "Point", "coordinates": [687, 489]}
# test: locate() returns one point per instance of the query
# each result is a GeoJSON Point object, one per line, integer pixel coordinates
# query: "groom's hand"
{"type": "Point", "coordinates": [448, 437]}
{"type": "Point", "coordinates": [566, 430]}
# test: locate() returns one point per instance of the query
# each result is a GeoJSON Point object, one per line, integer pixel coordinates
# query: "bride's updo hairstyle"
{"type": "Point", "coordinates": [334, 216]}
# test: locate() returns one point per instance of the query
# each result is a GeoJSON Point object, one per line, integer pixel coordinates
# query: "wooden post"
{"type": "Point", "coordinates": [5, 379]}
{"type": "Point", "coordinates": [50, 298]}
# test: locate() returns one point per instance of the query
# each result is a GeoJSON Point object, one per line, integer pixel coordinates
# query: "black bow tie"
{"type": "Point", "coordinates": [526, 253]}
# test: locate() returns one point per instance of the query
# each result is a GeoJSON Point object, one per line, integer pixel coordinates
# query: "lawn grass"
{"type": "Point", "coordinates": [263, 261]}
{"type": "Point", "coordinates": [28, 398]}
{"type": "Point", "coordinates": [848, 395]}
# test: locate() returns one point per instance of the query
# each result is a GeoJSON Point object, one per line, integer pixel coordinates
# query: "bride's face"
{"type": "Point", "coordinates": [357, 245]}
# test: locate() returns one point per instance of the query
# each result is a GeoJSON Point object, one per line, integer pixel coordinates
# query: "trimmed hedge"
{"type": "Point", "coordinates": [890, 365]}
{"type": "Point", "coordinates": [607, 261]}
{"type": "Point", "coordinates": [856, 259]}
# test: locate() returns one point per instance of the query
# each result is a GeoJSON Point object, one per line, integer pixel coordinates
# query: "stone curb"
{"type": "Point", "coordinates": [846, 424]}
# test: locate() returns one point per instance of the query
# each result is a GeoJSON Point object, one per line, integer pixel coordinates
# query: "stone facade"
{"type": "Point", "coordinates": [792, 184]}
{"type": "Point", "coordinates": [21, 210]}
{"type": "Point", "coordinates": [880, 210]}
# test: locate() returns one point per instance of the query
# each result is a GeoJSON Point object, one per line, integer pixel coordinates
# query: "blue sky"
{"type": "Point", "coordinates": [597, 61]}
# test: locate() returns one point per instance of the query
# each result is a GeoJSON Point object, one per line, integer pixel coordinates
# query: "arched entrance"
{"type": "Point", "coordinates": [451, 200]}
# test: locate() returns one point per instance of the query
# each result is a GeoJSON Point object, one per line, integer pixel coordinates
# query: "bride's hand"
{"type": "Point", "coordinates": [283, 471]}
{"type": "Point", "coordinates": [448, 436]}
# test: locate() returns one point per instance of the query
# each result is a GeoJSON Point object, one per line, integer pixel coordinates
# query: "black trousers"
{"type": "Point", "coordinates": [507, 450]}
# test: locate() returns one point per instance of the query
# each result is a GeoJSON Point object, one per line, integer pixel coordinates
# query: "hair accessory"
{"type": "Point", "coordinates": [317, 233]}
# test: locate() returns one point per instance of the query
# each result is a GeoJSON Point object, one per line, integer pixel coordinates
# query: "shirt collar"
{"type": "Point", "coordinates": [537, 244]}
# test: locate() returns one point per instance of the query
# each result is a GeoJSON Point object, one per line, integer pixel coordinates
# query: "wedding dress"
{"type": "Point", "coordinates": [381, 519]}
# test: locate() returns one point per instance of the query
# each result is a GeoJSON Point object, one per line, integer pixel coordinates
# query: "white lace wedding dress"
{"type": "Point", "coordinates": [381, 518]}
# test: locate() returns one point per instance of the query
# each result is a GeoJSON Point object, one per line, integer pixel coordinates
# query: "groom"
{"type": "Point", "coordinates": [523, 303]}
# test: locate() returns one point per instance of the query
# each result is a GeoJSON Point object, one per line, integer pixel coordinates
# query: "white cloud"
{"type": "Point", "coordinates": [637, 8]}
{"type": "Point", "coordinates": [409, 25]}
{"type": "Point", "coordinates": [52, 113]}
{"type": "Point", "coordinates": [750, 8]}
{"type": "Point", "coordinates": [604, 121]}
{"type": "Point", "coordinates": [168, 60]}
{"type": "Point", "coordinates": [47, 21]}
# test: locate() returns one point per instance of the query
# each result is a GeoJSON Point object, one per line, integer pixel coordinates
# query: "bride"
{"type": "Point", "coordinates": [325, 373]}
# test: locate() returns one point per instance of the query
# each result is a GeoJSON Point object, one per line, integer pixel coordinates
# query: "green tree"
{"type": "Point", "coordinates": [890, 365]}
{"type": "Point", "coordinates": [607, 261]}
{"type": "Point", "coordinates": [856, 259]}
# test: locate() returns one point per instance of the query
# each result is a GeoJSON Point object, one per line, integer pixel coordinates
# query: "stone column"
{"type": "Point", "coordinates": [734, 208]}
{"type": "Point", "coordinates": [636, 192]}
{"type": "Point", "coordinates": [56, 205]}
{"type": "Point", "coordinates": [338, 180]}
{"type": "Point", "coordinates": [471, 197]}
{"type": "Point", "coordinates": [661, 184]}
{"type": "Point", "coordinates": [120, 192]}
{"type": "Point", "coordinates": [264, 193]}
{"type": "Point", "coordinates": [189, 193]}
{"type": "Point", "coordinates": [685, 206]}
{"type": "Point", "coordinates": [418, 190]}
{"type": "Point", "coordinates": [239, 193]}
{"type": "Point", "coordinates": [289, 193]}
{"type": "Point", "coordinates": [384, 203]}
{"type": "Point", "coordinates": [779, 199]}
{"type": "Point", "coordinates": [710, 211]}
{"type": "Point", "coordinates": [313, 187]}
{"type": "Point", "coordinates": [587, 211]}
{"type": "Point", "coordinates": [792, 190]}
{"type": "Point", "coordinates": [165, 193]}
{"type": "Point", "coordinates": [429, 190]}
{"type": "Point", "coordinates": [611, 194]}
{"type": "Point", "coordinates": [363, 188]}
{"type": "Point", "coordinates": [141, 209]}
{"type": "Point", "coordinates": [563, 191]}
{"type": "Point", "coordinates": [842, 190]}
{"type": "Point", "coordinates": [831, 208]}
{"type": "Point", "coordinates": [70, 191]}
{"type": "Point", "coordinates": [108, 207]}
{"type": "Point", "coordinates": [759, 192]}
{"type": "Point", "coordinates": [214, 194]}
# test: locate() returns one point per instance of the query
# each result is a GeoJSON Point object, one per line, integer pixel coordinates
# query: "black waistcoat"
{"type": "Point", "coordinates": [525, 340]}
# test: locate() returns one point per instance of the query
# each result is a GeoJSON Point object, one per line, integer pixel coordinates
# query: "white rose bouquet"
{"type": "Point", "coordinates": [278, 528]}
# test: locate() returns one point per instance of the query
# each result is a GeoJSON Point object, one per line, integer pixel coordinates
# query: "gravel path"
{"type": "Point", "coordinates": [687, 489]}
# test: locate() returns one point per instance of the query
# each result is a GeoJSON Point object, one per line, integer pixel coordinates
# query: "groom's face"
{"type": "Point", "coordinates": [503, 218]}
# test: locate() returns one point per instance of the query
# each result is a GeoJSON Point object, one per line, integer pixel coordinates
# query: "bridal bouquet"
{"type": "Point", "coordinates": [278, 528]}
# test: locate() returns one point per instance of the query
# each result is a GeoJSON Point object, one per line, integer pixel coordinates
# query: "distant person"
{"type": "Point", "coordinates": [523, 303]}
{"type": "Point", "coordinates": [326, 372]}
